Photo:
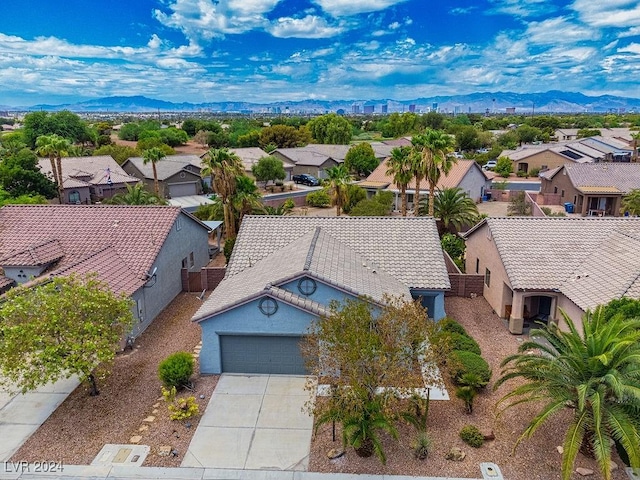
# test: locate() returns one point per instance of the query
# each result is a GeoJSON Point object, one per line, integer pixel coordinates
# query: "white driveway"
{"type": "Point", "coordinates": [254, 422]}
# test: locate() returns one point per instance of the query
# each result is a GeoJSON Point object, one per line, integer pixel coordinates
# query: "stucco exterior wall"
{"type": "Point", "coordinates": [571, 309]}
{"type": "Point", "coordinates": [480, 246]}
{"type": "Point", "coordinates": [247, 319]}
{"type": "Point", "coordinates": [474, 183]}
{"type": "Point", "coordinates": [541, 160]}
{"type": "Point", "coordinates": [156, 295]}
{"type": "Point", "coordinates": [84, 192]}
{"type": "Point", "coordinates": [324, 293]}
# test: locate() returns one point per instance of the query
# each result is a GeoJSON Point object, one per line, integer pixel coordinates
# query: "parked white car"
{"type": "Point", "coordinates": [490, 165]}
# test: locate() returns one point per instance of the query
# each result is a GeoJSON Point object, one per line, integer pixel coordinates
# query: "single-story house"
{"type": "Point", "coordinates": [285, 271]}
{"type": "Point", "coordinates": [535, 266]}
{"type": "Point", "coordinates": [593, 188]}
{"type": "Point", "coordinates": [90, 179]}
{"type": "Point", "coordinates": [135, 250]}
{"type": "Point", "coordinates": [533, 157]}
{"type": "Point", "coordinates": [620, 133]}
{"type": "Point", "coordinates": [178, 175]}
{"type": "Point", "coordinates": [251, 155]}
{"type": "Point", "coordinates": [464, 174]}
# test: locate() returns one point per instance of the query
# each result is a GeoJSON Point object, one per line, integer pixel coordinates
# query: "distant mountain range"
{"type": "Point", "coordinates": [481, 102]}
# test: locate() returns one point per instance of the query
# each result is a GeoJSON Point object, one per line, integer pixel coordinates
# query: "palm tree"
{"type": "Point", "coordinates": [54, 147]}
{"type": "Point", "coordinates": [247, 197]}
{"type": "Point", "coordinates": [631, 203]}
{"type": "Point", "coordinates": [224, 167]}
{"type": "Point", "coordinates": [135, 195]}
{"type": "Point", "coordinates": [400, 168]}
{"type": "Point", "coordinates": [417, 165]}
{"type": "Point", "coordinates": [634, 154]}
{"type": "Point", "coordinates": [595, 373]}
{"type": "Point", "coordinates": [153, 155]}
{"type": "Point", "coordinates": [339, 178]}
{"type": "Point", "coordinates": [434, 146]}
{"type": "Point", "coordinates": [453, 207]}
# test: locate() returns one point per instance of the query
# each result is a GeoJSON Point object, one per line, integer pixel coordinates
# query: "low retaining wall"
{"type": "Point", "coordinates": [463, 285]}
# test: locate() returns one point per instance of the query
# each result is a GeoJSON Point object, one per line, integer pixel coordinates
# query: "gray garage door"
{"type": "Point", "coordinates": [182, 189]}
{"type": "Point", "coordinates": [261, 354]}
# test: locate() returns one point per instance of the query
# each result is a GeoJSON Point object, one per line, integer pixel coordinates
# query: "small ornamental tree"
{"type": "Point", "coordinates": [64, 327]}
{"type": "Point", "coordinates": [268, 168]}
{"type": "Point", "coordinates": [361, 159]}
{"type": "Point", "coordinates": [359, 347]}
{"type": "Point", "coordinates": [504, 167]}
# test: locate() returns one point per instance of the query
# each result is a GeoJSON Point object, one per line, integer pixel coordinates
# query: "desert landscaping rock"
{"type": "Point", "coordinates": [456, 455]}
{"type": "Point", "coordinates": [585, 472]}
{"type": "Point", "coordinates": [135, 439]}
{"type": "Point", "coordinates": [143, 428]}
{"type": "Point", "coordinates": [560, 449]}
{"type": "Point", "coordinates": [164, 450]}
{"type": "Point", "coordinates": [335, 453]}
{"type": "Point", "coordinates": [488, 436]}
{"type": "Point", "coordinates": [149, 419]}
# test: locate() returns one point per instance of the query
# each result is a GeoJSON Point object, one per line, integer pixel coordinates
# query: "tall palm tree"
{"type": "Point", "coordinates": [339, 178]}
{"type": "Point", "coordinates": [153, 155]}
{"type": "Point", "coordinates": [634, 154]}
{"type": "Point", "coordinates": [417, 165]}
{"type": "Point", "coordinates": [595, 373]}
{"type": "Point", "coordinates": [135, 195]}
{"type": "Point", "coordinates": [453, 207]}
{"type": "Point", "coordinates": [434, 146]}
{"type": "Point", "coordinates": [55, 147]}
{"type": "Point", "coordinates": [224, 167]}
{"type": "Point", "coordinates": [400, 168]}
{"type": "Point", "coordinates": [246, 198]}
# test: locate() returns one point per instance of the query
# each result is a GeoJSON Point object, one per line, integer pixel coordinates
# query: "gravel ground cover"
{"type": "Point", "coordinates": [79, 428]}
{"type": "Point", "coordinates": [534, 459]}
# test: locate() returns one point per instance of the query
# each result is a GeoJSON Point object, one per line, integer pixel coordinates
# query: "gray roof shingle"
{"type": "Point", "coordinates": [622, 176]}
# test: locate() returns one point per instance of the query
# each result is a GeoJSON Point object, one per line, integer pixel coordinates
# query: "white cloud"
{"type": "Point", "coordinates": [631, 48]}
{"type": "Point", "coordinates": [521, 8]}
{"type": "Point", "coordinates": [559, 30]}
{"type": "Point", "coordinates": [394, 25]}
{"type": "Point", "coordinates": [609, 13]}
{"type": "Point", "coordinates": [207, 19]}
{"type": "Point", "coordinates": [340, 8]}
{"type": "Point", "coordinates": [310, 26]}
{"type": "Point", "coordinates": [631, 32]}
{"type": "Point", "coordinates": [462, 10]}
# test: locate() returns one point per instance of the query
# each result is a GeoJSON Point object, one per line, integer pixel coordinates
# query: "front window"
{"type": "Point", "coordinates": [487, 277]}
{"type": "Point", "coordinates": [74, 197]}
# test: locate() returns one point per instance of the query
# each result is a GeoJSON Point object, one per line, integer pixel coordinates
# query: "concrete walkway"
{"type": "Point", "coordinates": [254, 422]}
{"type": "Point", "coordinates": [21, 415]}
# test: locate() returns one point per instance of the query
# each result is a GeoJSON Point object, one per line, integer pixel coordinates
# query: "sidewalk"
{"type": "Point", "coordinates": [21, 415]}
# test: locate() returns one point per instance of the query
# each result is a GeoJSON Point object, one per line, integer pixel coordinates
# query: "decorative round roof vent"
{"type": "Point", "coordinates": [268, 306]}
{"type": "Point", "coordinates": [307, 286]}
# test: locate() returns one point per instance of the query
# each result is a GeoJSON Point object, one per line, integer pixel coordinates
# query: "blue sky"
{"type": "Point", "coordinates": [276, 50]}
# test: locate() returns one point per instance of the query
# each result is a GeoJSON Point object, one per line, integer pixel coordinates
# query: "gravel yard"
{"type": "Point", "coordinates": [534, 459]}
{"type": "Point", "coordinates": [78, 429]}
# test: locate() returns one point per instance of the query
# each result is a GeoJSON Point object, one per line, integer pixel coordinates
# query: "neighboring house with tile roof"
{"type": "Point", "coordinates": [594, 188]}
{"type": "Point", "coordinates": [90, 179]}
{"type": "Point", "coordinates": [535, 266]}
{"type": "Point", "coordinates": [285, 271]}
{"type": "Point", "coordinates": [464, 174]}
{"type": "Point", "coordinates": [136, 250]}
{"type": "Point", "coordinates": [178, 175]}
{"type": "Point", "coordinates": [252, 155]}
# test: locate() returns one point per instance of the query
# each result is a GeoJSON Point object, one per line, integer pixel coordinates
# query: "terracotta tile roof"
{"type": "Point", "coordinates": [624, 177]}
{"type": "Point", "coordinates": [83, 171]}
{"type": "Point", "coordinates": [315, 254]}
{"type": "Point", "coordinates": [39, 254]}
{"type": "Point", "coordinates": [544, 253]}
{"type": "Point", "coordinates": [453, 179]}
{"type": "Point", "coordinates": [407, 248]}
{"type": "Point", "coordinates": [134, 234]}
{"type": "Point", "coordinates": [5, 283]}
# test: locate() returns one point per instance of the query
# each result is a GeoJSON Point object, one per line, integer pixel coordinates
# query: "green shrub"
{"type": "Point", "coordinates": [471, 435]}
{"type": "Point", "coordinates": [522, 174]}
{"type": "Point", "coordinates": [319, 198]}
{"type": "Point", "coordinates": [462, 362]}
{"type": "Point", "coordinates": [504, 167]}
{"type": "Point", "coordinates": [421, 445]}
{"type": "Point", "coordinates": [181, 408]}
{"type": "Point", "coordinates": [534, 172]}
{"type": "Point", "coordinates": [464, 343]}
{"type": "Point", "coordinates": [176, 369]}
{"type": "Point", "coordinates": [228, 248]}
{"type": "Point", "coordinates": [450, 325]}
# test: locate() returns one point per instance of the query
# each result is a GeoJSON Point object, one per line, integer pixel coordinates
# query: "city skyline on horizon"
{"type": "Point", "coordinates": [266, 51]}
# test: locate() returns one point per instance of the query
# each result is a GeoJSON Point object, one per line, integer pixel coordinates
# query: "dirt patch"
{"type": "Point", "coordinates": [536, 458]}
{"type": "Point", "coordinates": [79, 428]}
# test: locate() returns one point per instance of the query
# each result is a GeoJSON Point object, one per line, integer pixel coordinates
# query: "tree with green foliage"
{"type": "Point", "coordinates": [354, 194]}
{"type": "Point", "coordinates": [282, 136]}
{"type": "Point", "coordinates": [135, 195]}
{"type": "Point", "coordinates": [268, 168]}
{"type": "Point", "coordinates": [54, 147]}
{"type": "Point", "coordinates": [592, 370]}
{"type": "Point", "coordinates": [360, 347]}
{"type": "Point", "coordinates": [508, 140]}
{"type": "Point", "coordinates": [455, 247]}
{"type": "Point", "coordinates": [21, 175]}
{"type": "Point", "coordinates": [7, 199]}
{"type": "Point", "coordinates": [631, 203]}
{"type": "Point", "coordinates": [339, 178]}
{"type": "Point", "coordinates": [504, 167]}
{"type": "Point", "coordinates": [246, 199]}
{"type": "Point", "coordinates": [318, 198]}
{"type": "Point", "coordinates": [153, 156]}
{"type": "Point", "coordinates": [224, 167]}
{"type": "Point", "coordinates": [467, 138]}
{"type": "Point", "coordinates": [528, 134]}
{"type": "Point", "coordinates": [331, 129]}
{"type": "Point", "coordinates": [434, 147]}
{"type": "Point", "coordinates": [398, 124]}
{"type": "Point", "coordinates": [361, 159]}
{"type": "Point", "coordinates": [63, 327]}
{"type": "Point", "coordinates": [401, 168]}
{"type": "Point", "coordinates": [120, 153]}
{"type": "Point", "coordinates": [379, 205]}
{"type": "Point", "coordinates": [454, 208]}
{"type": "Point", "coordinates": [64, 124]}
